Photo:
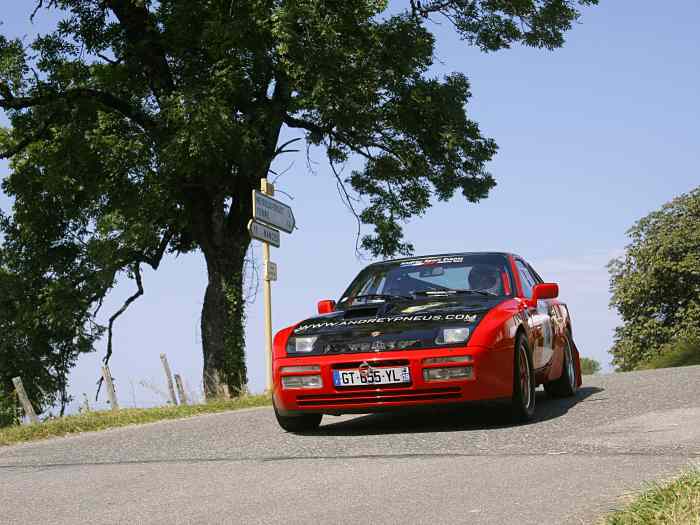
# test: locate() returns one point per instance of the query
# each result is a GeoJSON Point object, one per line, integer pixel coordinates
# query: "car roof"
{"type": "Point", "coordinates": [451, 254]}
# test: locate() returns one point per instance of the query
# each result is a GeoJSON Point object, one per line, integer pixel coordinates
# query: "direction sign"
{"type": "Point", "coordinates": [263, 233]}
{"type": "Point", "coordinates": [272, 212]}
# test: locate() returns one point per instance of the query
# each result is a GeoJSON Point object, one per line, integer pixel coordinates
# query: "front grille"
{"type": "Point", "coordinates": [373, 364]}
{"type": "Point", "coordinates": [371, 345]}
{"type": "Point", "coordinates": [378, 397]}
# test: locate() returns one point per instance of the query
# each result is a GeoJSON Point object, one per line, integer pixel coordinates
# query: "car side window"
{"type": "Point", "coordinates": [538, 279]}
{"type": "Point", "coordinates": [526, 278]}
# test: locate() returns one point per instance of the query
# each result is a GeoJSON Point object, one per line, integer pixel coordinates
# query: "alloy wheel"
{"type": "Point", "coordinates": [525, 376]}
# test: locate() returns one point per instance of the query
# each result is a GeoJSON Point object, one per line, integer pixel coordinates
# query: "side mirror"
{"type": "Point", "coordinates": [326, 306]}
{"type": "Point", "coordinates": [544, 291]}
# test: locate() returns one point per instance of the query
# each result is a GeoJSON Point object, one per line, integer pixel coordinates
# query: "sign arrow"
{"type": "Point", "coordinates": [272, 212]}
{"type": "Point", "coordinates": [258, 230]}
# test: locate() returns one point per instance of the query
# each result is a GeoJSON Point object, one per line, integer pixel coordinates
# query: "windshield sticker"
{"type": "Point", "coordinates": [467, 318]}
{"type": "Point", "coordinates": [433, 260]}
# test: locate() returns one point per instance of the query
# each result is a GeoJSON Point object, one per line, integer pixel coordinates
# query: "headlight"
{"type": "Point", "coordinates": [449, 336]}
{"type": "Point", "coordinates": [301, 345]}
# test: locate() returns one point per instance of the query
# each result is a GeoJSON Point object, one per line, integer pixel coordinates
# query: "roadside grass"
{"type": "Point", "coordinates": [685, 352]}
{"type": "Point", "coordinates": [674, 503]}
{"type": "Point", "coordinates": [100, 420]}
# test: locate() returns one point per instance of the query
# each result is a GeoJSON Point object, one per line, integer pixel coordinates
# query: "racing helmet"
{"type": "Point", "coordinates": [484, 277]}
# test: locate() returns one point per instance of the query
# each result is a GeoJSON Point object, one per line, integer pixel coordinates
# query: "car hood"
{"type": "Point", "coordinates": [401, 325]}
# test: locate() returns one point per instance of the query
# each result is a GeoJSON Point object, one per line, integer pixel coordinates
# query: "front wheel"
{"type": "Point", "coordinates": [523, 402]}
{"type": "Point", "coordinates": [298, 424]}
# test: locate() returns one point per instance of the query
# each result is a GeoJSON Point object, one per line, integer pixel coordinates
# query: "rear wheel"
{"type": "Point", "coordinates": [523, 402]}
{"type": "Point", "coordinates": [300, 423]}
{"type": "Point", "coordinates": [565, 386]}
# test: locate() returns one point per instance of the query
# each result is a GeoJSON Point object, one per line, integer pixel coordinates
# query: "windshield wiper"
{"type": "Point", "coordinates": [384, 296]}
{"type": "Point", "coordinates": [449, 291]}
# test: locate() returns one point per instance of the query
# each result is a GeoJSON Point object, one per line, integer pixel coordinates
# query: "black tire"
{"type": "Point", "coordinates": [299, 424]}
{"type": "Point", "coordinates": [523, 402]}
{"type": "Point", "coordinates": [566, 385]}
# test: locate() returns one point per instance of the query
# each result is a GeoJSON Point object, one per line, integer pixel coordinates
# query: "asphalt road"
{"type": "Point", "coordinates": [579, 460]}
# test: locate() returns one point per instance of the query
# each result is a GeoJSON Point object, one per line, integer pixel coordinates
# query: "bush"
{"type": "Point", "coordinates": [655, 283]}
{"type": "Point", "coordinates": [685, 351]}
{"type": "Point", "coordinates": [589, 366]}
{"type": "Point", "coordinates": [9, 414]}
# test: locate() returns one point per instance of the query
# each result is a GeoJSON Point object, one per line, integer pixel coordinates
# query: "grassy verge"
{"type": "Point", "coordinates": [91, 421]}
{"type": "Point", "coordinates": [676, 503]}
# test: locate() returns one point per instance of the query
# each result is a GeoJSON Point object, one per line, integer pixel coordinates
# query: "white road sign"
{"type": "Point", "coordinates": [271, 271]}
{"type": "Point", "coordinates": [263, 233]}
{"type": "Point", "coordinates": [272, 212]}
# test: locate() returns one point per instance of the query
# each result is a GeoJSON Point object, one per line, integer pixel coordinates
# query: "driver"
{"type": "Point", "coordinates": [486, 278]}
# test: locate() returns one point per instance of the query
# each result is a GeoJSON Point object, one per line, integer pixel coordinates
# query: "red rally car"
{"type": "Point", "coordinates": [439, 329]}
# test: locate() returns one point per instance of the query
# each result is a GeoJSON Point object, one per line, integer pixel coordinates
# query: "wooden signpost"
{"type": "Point", "coordinates": [269, 216]}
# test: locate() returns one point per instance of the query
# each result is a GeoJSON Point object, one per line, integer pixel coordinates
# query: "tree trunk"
{"type": "Point", "coordinates": [223, 337]}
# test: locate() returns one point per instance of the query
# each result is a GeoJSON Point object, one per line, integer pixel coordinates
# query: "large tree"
{"type": "Point", "coordinates": [656, 284]}
{"type": "Point", "coordinates": [141, 126]}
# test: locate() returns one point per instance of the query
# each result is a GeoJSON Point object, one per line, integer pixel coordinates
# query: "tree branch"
{"type": "Point", "coordinates": [347, 200]}
{"type": "Point", "coordinates": [20, 146]}
{"type": "Point", "coordinates": [109, 60]}
{"type": "Point", "coordinates": [144, 43]}
{"type": "Point", "coordinates": [73, 95]}
{"type": "Point", "coordinates": [294, 122]}
{"type": "Point", "coordinates": [131, 299]}
{"type": "Point", "coordinates": [154, 260]}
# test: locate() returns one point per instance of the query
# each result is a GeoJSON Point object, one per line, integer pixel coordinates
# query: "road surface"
{"type": "Point", "coordinates": [575, 463]}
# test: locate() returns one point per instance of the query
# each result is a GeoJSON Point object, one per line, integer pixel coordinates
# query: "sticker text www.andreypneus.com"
{"type": "Point", "coordinates": [467, 318]}
{"type": "Point", "coordinates": [433, 260]}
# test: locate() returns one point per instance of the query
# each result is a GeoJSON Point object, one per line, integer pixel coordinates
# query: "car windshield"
{"type": "Point", "coordinates": [481, 275]}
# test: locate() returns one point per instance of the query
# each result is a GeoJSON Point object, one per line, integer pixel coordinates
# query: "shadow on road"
{"type": "Point", "coordinates": [450, 419]}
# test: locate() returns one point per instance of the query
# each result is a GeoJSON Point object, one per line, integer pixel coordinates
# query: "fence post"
{"type": "Point", "coordinates": [180, 390]}
{"type": "Point", "coordinates": [111, 393]}
{"type": "Point", "coordinates": [86, 403]}
{"type": "Point", "coordinates": [169, 377]}
{"type": "Point", "coordinates": [24, 400]}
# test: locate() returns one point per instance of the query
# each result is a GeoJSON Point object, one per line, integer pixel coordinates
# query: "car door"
{"type": "Point", "coordinates": [539, 318]}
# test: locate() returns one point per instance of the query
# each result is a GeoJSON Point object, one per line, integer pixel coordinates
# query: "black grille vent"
{"type": "Point", "coordinates": [353, 313]}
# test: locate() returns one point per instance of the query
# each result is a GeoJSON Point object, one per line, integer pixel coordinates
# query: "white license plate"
{"type": "Point", "coordinates": [374, 376]}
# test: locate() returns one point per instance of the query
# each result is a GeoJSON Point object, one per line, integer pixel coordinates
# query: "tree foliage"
{"type": "Point", "coordinates": [656, 285]}
{"type": "Point", "coordinates": [589, 366]}
{"type": "Point", "coordinates": [45, 325]}
{"type": "Point", "coordinates": [139, 128]}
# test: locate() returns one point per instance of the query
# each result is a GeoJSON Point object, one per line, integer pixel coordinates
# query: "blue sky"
{"type": "Point", "coordinates": [592, 137]}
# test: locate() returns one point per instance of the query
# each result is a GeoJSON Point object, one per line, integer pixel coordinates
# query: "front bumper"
{"type": "Point", "coordinates": [491, 378]}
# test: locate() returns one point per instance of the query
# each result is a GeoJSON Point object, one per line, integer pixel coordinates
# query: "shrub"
{"type": "Point", "coordinates": [684, 351]}
{"type": "Point", "coordinates": [9, 413]}
{"type": "Point", "coordinates": [655, 285]}
{"type": "Point", "coordinates": [589, 366]}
